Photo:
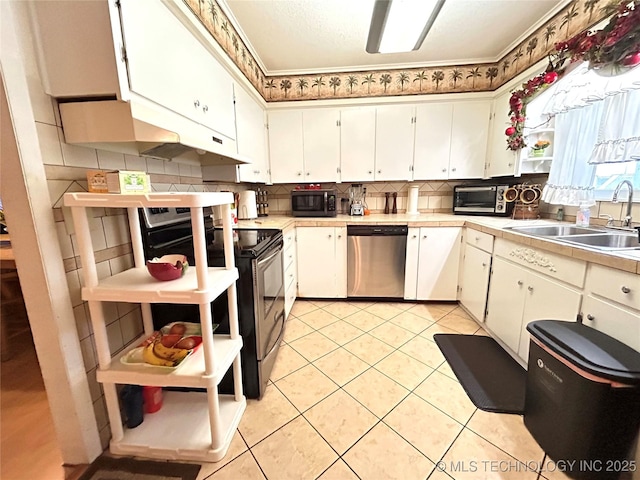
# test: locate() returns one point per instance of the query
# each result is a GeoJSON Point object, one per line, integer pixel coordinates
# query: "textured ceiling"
{"type": "Point", "coordinates": [305, 36]}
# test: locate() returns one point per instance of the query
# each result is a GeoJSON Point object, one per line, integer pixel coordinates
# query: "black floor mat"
{"type": "Point", "coordinates": [494, 381]}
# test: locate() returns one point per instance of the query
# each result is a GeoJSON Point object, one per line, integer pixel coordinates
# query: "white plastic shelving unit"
{"type": "Point", "coordinates": [193, 425]}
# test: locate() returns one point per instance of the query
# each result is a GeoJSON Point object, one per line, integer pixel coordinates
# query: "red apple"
{"type": "Point", "coordinates": [631, 60]}
{"type": "Point", "coordinates": [550, 77]}
{"type": "Point", "coordinates": [510, 131]}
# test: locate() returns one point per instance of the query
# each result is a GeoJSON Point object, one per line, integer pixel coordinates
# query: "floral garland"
{"type": "Point", "coordinates": [518, 105]}
{"type": "Point", "coordinates": [617, 45]}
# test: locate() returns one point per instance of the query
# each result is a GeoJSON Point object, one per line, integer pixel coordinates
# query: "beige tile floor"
{"type": "Point", "coordinates": [360, 390]}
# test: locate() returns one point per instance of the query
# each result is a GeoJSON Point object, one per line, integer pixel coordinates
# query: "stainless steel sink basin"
{"type": "Point", "coordinates": [605, 241]}
{"type": "Point", "coordinates": [554, 230]}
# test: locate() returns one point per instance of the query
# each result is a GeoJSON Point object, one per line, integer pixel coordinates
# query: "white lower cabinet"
{"type": "Point", "coordinates": [613, 303]}
{"type": "Point", "coordinates": [518, 296]}
{"type": "Point", "coordinates": [617, 322]}
{"type": "Point", "coordinates": [431, 268]}
{"type": "Point", "coordinates": [322, 262]}
{"type": "Point", "coordinates": [290, 269]}
{"type": "Point", "coordinates": [474, 282]}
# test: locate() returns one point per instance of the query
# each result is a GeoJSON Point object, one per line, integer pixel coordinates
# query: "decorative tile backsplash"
{"type": "Point", "coordinates": [434, 197]}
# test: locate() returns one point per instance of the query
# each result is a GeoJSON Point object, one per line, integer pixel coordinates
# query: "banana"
{"type": "Point", "coordinates": [175, 355]}
{"type": "Point", "coordinates": [152, 359]}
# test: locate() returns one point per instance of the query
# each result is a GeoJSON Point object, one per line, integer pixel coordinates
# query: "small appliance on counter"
{"type": "Point", "coordinates": [247, 205]}
{"type": "Point", "coordinates": [481, 200]}
{"type": "Point", "coordinates": [314, 202]}
{"type": "Point", "coordinates": [356, 198]}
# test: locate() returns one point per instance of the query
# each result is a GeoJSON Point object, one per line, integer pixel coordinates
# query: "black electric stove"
{"type": "Point", "coordinates": [249, 243]}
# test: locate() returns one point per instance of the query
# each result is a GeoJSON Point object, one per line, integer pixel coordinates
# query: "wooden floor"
{"type": "Point", "coordinates": [28, 448]}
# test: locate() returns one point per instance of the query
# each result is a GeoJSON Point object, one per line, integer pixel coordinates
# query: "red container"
{"type": "Point", "coordinates": [152, 399]}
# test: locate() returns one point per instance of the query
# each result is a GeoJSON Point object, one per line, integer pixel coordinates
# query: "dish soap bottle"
{"type": "Point", "coordinates": [583, 216]}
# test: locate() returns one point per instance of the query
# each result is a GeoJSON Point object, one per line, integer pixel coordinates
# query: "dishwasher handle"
{"type": "Point", "coordinates": [377, 230]}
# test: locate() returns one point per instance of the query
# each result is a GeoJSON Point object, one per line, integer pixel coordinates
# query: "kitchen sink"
{"type": "Point", "coordinates": [554, 230]}
{"type": "Point", "coordinates": [605, 241]}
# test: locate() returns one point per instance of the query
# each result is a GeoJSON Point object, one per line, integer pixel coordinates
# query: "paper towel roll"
{"type": "Point", "coordinates": [412, 203]}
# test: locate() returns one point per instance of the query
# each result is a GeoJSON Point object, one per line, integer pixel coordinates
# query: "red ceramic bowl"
{"type": "Point", "coordinates": [168, 267]}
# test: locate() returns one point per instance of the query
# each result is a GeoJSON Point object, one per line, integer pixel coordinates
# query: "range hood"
{"type": "Point", "coordinates": [135, 129]}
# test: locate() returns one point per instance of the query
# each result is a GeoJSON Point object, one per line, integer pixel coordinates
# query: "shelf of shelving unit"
{"type": "Point", "coordinates": [190, 373]}
{"type": "Point", "coordinates": [136, 285]}
{"type": "Point", "coordinates": [537, 131]}
{"type": "Point", "coordinates": [177, 431]}
{"type": "Point", "coordinates": [167, 199]}
{"type": "Point", "coordinates": [537, 159]}
{"type": "Point", "coordinates": [191, 425]}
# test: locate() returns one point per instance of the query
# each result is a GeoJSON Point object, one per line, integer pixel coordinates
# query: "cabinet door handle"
{"type": "Point", "coordinates": [379, 171]}
{"type": "Point", "coordinates": [484, 264]}
{"type": "Point", "coordinates": [453, 169]}
{"type": "Point", "coordinates": [477, 239]}
{"type": "Point", "coordinates": [205, 109]}
{"type": "Point", "coordinates": [291, 275]}
{"type": "Point", "coordinates": [370, 172]}
{"type": "Point", "coordinates": [519, 283]}
{"type": "Point", "coordinates": [444, 170]}
{"type": "Point", "coordinates": [308, 173]}
{"type": "Point", "coordinates": [196, 103]}
{"type": "Point", "coordinates": [299, 173]}
{"type": "Point", "coordinates": [590, 317]}
{"type": "Point", "coordinates": [414, 236]}
{"type": "Point", "coordinates": [339, 236]}
{"type": "Point", "coordinates": [424, 237]}
{"type": "Point", "coordinates": [530, 288]}
{"type": "Point", "coordinates": [329, 235]}
{"type": "Point", "coordinates": [509, 164]}
{"type": "Point", "coordinates": [625, 289]}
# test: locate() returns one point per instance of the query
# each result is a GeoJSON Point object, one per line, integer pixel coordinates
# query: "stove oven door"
{"type": "Point", "coordinates": [269, 299]}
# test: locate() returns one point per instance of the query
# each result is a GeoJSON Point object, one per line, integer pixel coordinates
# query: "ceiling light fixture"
{"type": "Point", "coordinates": [401, 25]}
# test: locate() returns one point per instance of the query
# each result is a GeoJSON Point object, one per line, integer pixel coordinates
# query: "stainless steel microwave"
{"type": "Point", "coordinates": [481, 200]}
{"type": "Point", "coordinates": [313, 203]}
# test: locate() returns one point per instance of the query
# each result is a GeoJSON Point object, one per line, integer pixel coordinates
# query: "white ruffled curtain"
{"type": "Point", "coordinates": [597, 121]}
{"type": "Point", "coordinates": [571, 176]}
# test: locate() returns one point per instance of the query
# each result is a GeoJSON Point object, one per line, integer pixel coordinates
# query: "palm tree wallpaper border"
{"type": "Point", "coordinates": [574, 18]}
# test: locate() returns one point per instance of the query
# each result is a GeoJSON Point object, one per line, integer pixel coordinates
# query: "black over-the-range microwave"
{"type": "Point", "coordinates": [481, 200]}
{"type": "Point", "coordinates": [313, 203]}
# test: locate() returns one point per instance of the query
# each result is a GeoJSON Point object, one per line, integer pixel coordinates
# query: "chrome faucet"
{"type": "Point", "coordinates": [627, 218]}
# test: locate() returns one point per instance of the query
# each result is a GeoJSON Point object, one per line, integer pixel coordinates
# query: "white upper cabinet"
{"type": "Point", "coordinates": [286, 146]}
{"type": "Point", "coordinates": [193, 85]}
{"type": "Point", "coordinates": [394, 142]}
{"type": "Point", "coordinates": [469, 135]}
{"type": "Point", "coordinates": [134, 50]}
{"type": "Point", "coordinates": [251, 137]}
{"type": "Point", "coordinates": [433, 141]}
{"type": "Point", "coordinates": [451, 140]}
{"type": "Point", "coordinates": [357, 144]}
{"type": "Point", "coordinates": [321, 144]}
{"type": "Point", "coordinates": [501, 161]}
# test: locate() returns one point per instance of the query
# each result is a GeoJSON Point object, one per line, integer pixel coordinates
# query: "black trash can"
{"type": "Point", "coordinates": [582, 401]}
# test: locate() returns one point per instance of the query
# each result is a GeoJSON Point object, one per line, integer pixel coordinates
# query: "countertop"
{"type": "Point", "coordinates": [627, 260]}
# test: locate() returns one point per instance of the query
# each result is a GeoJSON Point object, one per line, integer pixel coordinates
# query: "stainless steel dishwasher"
{"type": "Point", "coordinates": [376, 260]}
